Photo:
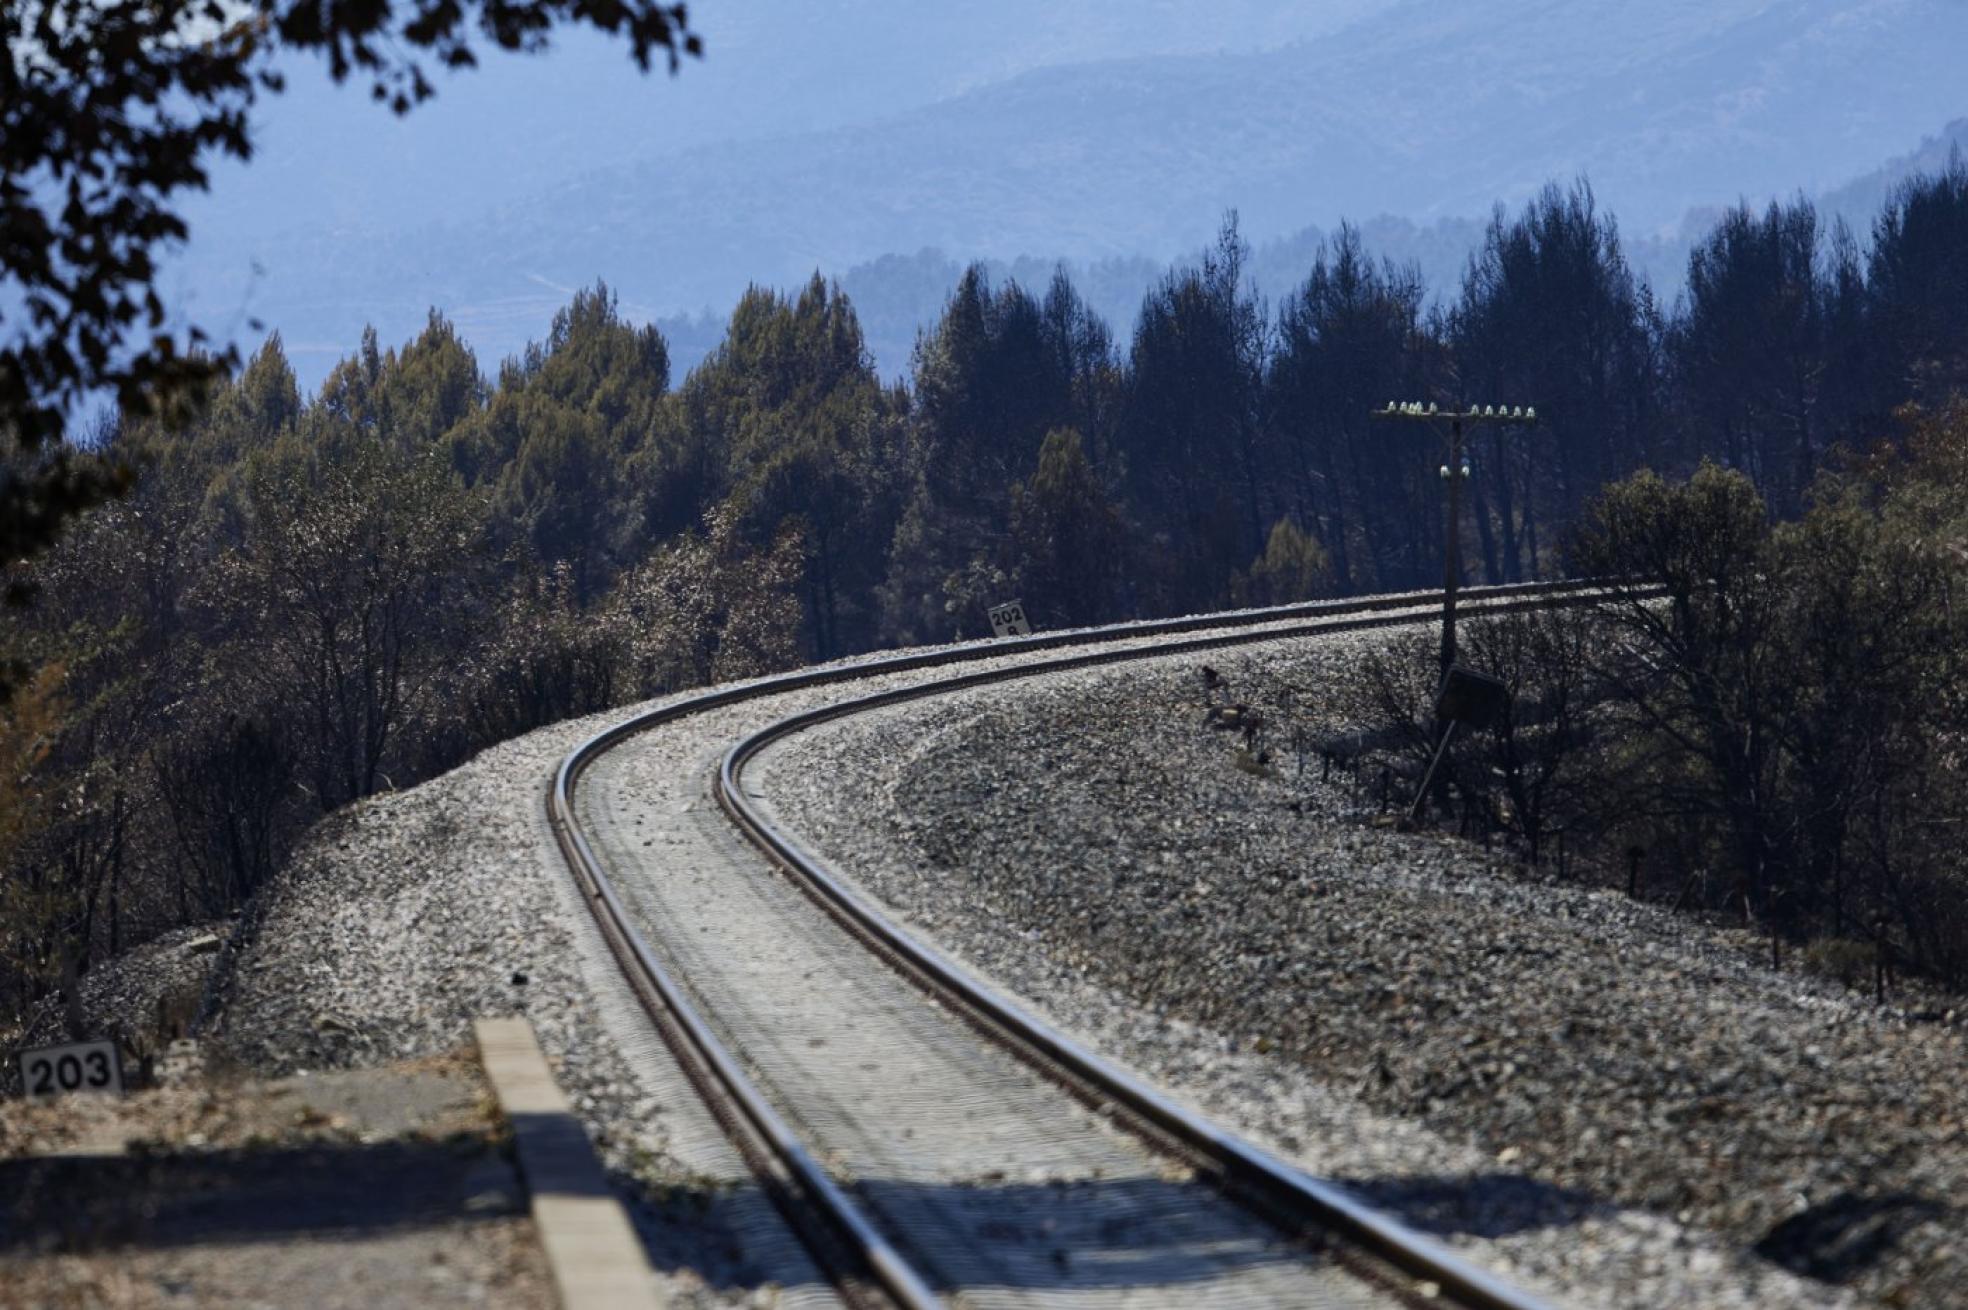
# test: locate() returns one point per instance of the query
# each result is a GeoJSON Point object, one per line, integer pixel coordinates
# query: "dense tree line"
{"type": "Point", "coordinates": [1759, 717]}
{"type": "Point", "coordinates": [309, 599]}
{"type": "Point", "coordinates": [1785, 726]}
{"type": "Point", "coordinates": [108, 113]}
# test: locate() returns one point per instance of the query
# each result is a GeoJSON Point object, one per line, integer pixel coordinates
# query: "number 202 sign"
{"type": "Point", "coordinates": [83, 1067]}
{"type": "Point", "coordinates": [1008, 620]}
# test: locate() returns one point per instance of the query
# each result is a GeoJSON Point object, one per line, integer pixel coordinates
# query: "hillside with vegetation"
{"type": "Point", "coordinates": [310, 598]}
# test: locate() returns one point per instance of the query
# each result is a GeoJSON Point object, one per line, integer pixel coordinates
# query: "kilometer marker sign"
{"type": "Point", "coordinates": [51, 1071]}
{"type": "Point", "coordinates": [1008, 620]}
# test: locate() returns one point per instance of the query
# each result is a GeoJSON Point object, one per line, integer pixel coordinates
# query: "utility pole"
{"type": "Point", "coordinates": [1454, 473]}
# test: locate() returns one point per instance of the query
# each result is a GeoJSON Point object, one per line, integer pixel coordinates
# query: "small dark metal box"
{"type": "Point", "coordinates": [1471, 698]}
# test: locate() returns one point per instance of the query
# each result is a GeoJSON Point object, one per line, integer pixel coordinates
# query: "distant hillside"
{"type": "Point", "coordinates": [1859, 200]}
{"type": "Point", "coordinates": [1418, 109]}
{"type": "Point", "coordinates": [521, 126]}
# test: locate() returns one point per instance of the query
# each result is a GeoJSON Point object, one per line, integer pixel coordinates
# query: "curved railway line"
{"type": "Point", "coordinates": [911, 1209]}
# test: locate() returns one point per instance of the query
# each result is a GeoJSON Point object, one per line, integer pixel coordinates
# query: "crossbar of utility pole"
{"type": "Point", "coordinates": [1453, 473]}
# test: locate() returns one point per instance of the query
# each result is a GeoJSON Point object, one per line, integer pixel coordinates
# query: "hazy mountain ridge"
{"type": "Point", "coordinates": [1417, 109]}
{"type": "Point", "coordinates": [1860, 199]}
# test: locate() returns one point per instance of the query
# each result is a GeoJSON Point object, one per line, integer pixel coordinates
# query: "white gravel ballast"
{"type": "Point", "coordinates": [405, 916]}
{"type": "Point", "coordinates": [1613, 1103]}
{"type": "Point", "coordinates": [1554, 1080]}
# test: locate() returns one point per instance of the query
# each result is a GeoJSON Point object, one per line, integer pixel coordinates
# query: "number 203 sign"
{"type": "Point", "coordinates": [54, 1071]}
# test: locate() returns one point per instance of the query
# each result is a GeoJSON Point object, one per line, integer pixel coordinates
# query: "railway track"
{"type": "Point", "coordinates": [878, 1091]}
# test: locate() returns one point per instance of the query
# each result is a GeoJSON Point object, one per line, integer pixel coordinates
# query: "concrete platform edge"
{"type": "Point", "coordinates": [597, 1262]}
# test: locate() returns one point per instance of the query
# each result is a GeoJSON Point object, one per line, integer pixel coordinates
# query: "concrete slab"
{"type": "Point", "coordinates": [591, 1247]}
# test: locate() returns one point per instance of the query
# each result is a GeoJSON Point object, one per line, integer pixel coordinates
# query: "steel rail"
{"type": "Point", "coordinates": [797, 1181]}
{"type": "Point", "coordinates": [1240, 1163]}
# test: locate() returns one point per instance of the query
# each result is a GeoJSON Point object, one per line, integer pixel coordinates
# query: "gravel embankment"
{"type": "Point", "coordinates": [406, 916]}
{"type": "Point", "coordinates": [1619, 1105]}
{"type": "Point", "coordinates": [143, 997]}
